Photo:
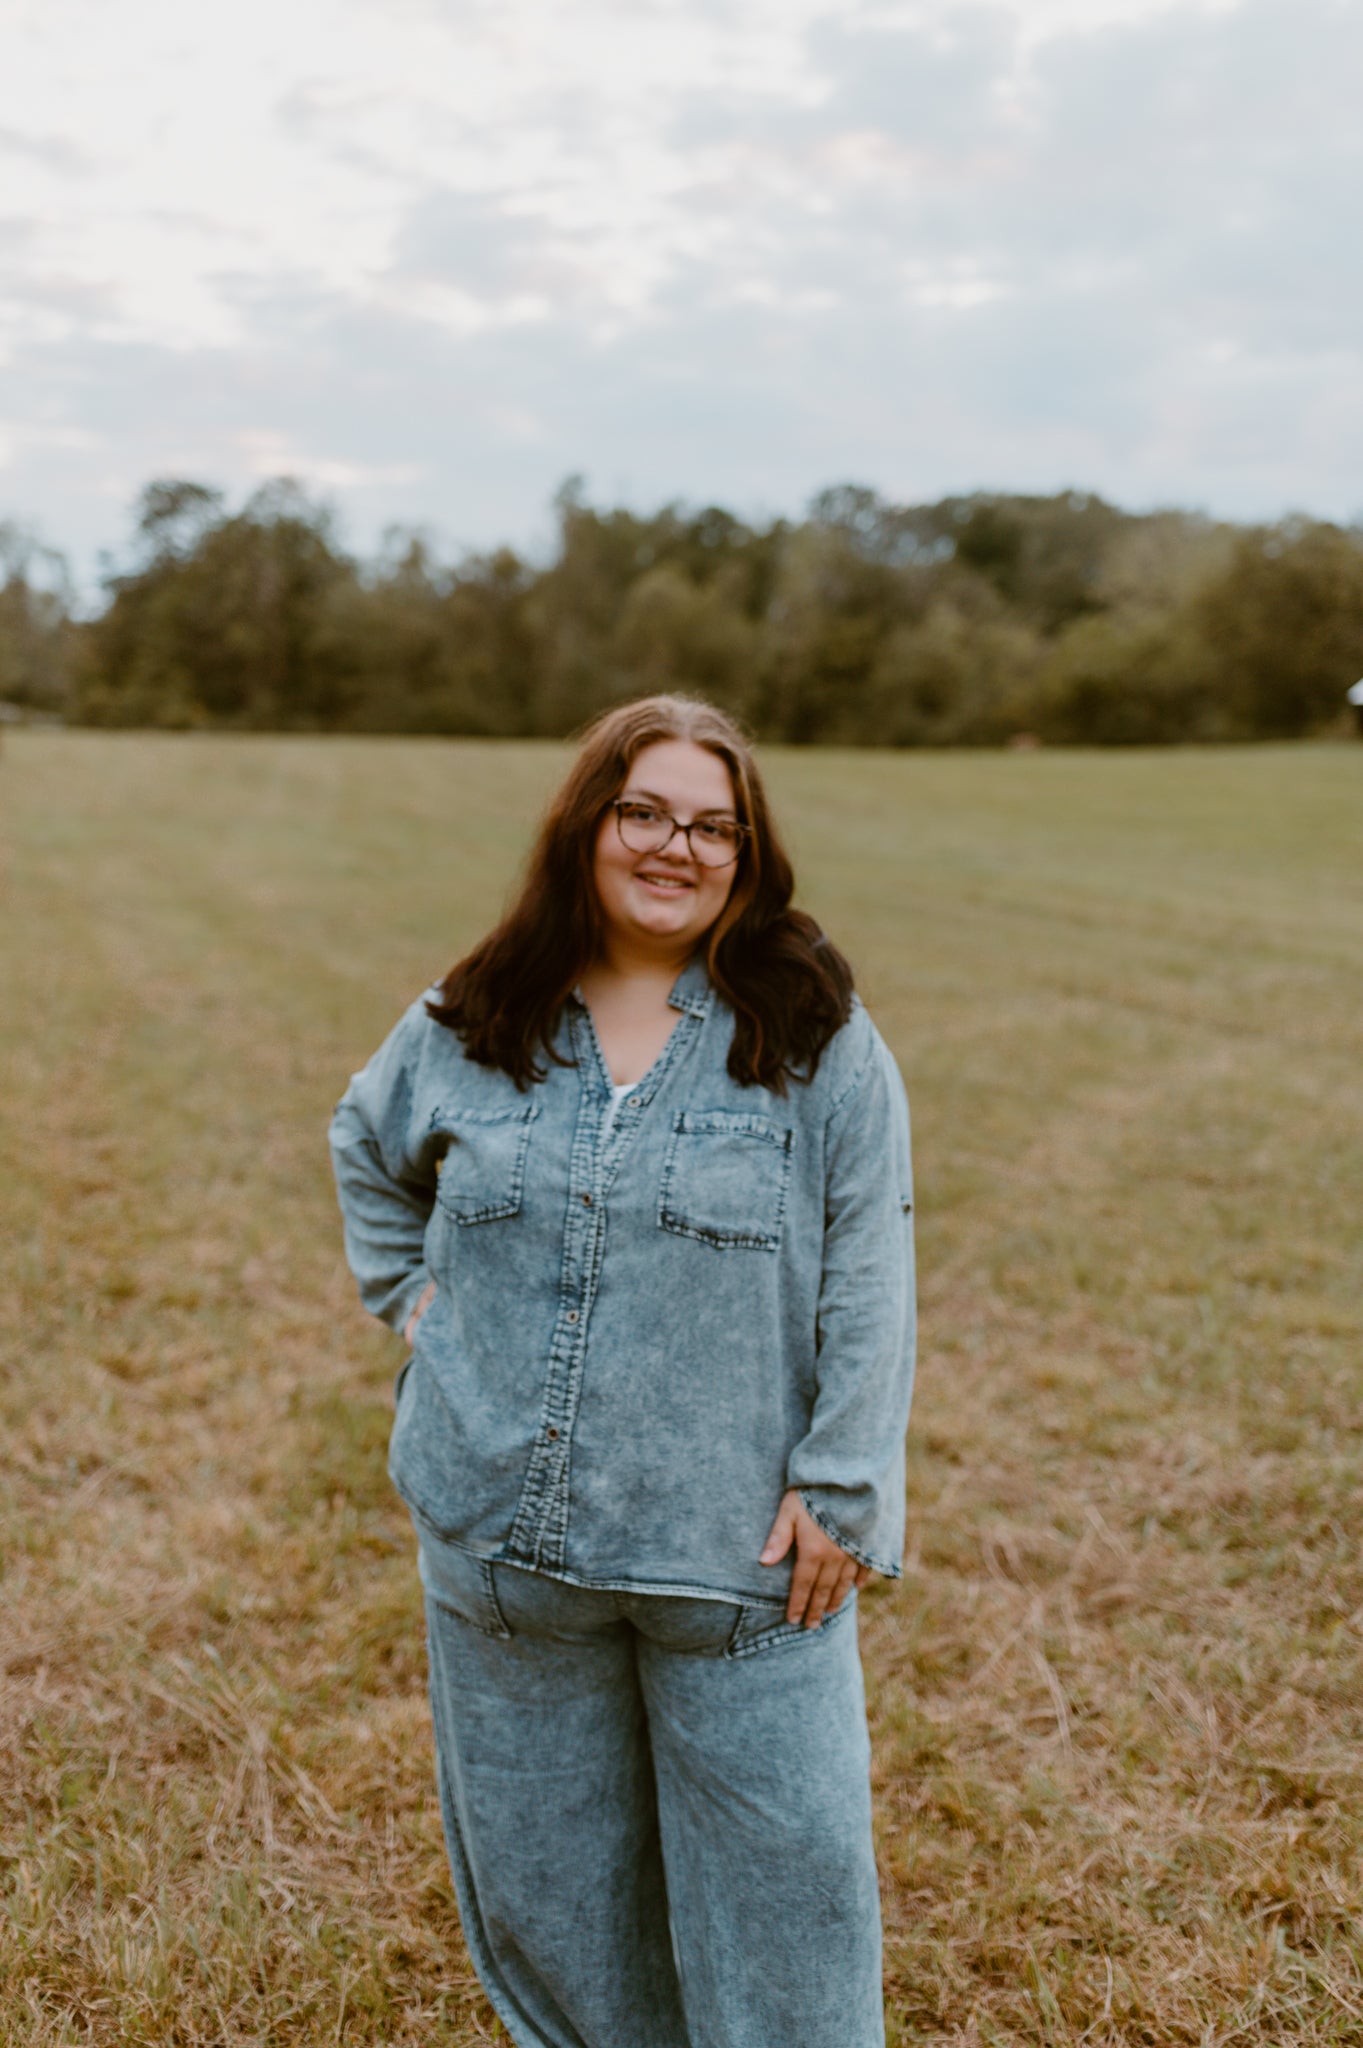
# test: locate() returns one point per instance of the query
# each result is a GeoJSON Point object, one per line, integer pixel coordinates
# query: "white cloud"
{"type": "Point", "coordinates": [433, 254]}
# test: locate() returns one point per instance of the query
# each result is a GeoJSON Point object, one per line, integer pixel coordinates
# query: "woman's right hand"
{"type": "Point", "coordinates": [409, 1327]}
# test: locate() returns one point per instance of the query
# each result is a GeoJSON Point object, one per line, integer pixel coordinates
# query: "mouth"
{"type": "Point", "coordinates": [666, 884]}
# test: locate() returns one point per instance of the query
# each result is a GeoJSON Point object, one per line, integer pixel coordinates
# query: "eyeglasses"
{"type": "Point", "coordinates": [643, 828]}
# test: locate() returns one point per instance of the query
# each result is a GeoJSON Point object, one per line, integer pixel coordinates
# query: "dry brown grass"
{"type": "Point", "coordinates": [1117, 1702]}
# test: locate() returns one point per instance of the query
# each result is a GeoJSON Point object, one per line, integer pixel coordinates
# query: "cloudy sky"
{"type": "Point", "coordinates": [434, 255]}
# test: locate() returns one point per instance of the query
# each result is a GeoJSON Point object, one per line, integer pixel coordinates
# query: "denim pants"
{"type": "Point", "coordinates": [657, 1810]}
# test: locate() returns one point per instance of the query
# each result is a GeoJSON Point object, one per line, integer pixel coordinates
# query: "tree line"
{"type": "Point", "coordinates": [968, 621]}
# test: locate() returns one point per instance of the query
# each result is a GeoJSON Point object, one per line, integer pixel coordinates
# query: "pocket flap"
{"type": "Point", "coordinates": [455, 1579]}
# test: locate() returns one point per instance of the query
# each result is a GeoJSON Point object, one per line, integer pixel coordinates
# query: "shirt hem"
{"type": "Point", "coordinates": [685, 1589]}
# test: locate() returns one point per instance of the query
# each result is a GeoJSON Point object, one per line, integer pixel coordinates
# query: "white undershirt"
{"type": "Point", "coordinates": [619, 1090]}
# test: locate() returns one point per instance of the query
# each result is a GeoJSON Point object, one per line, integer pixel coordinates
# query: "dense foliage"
{"type": "Point", "coordinates": [38, 640]}
{"type": "Point", "coordinates": [967, 622]}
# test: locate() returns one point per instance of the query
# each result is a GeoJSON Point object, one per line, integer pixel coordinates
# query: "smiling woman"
{"type": "Point", "coordinates": [635, 1182]}
{"type": "Point", "coordinates": [662, 884]}
{"type": "Point", "coordinates": [788, 987]}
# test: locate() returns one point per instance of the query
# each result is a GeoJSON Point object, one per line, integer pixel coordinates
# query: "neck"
{"type": "Point", "coordinates": [619, 960]}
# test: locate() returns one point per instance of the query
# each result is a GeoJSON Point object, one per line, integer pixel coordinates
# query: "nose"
{"type": "Point", "coordinates": [677, 847]}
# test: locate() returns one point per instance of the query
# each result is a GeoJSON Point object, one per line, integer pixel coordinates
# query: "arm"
{"type": "Point", "coordinates": [847, 1472]}
{"type": "Point", "coordinates": [385, 1176]}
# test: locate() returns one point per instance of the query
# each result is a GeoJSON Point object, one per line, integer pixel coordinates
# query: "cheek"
{"type": "Point", "coordinates": [718, 889]}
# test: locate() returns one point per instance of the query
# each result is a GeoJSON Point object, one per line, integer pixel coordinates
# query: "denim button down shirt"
{"type": "Point", "coordinates": [644, 1331]}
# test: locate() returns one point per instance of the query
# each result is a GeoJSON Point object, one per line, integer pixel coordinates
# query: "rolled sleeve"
{"type": "Point", "coordinates": [849, 1467]}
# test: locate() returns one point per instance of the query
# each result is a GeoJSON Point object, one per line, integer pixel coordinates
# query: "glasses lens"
{"type": "Point", "coordinates": [715, 842]}
{"type": "Point", "coordinates": [642, 828]}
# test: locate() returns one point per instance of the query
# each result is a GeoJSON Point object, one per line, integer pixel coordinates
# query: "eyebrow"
{"type": "Point", "coordinates": [665, 804]}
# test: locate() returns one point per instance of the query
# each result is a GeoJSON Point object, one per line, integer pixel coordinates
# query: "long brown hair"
{"type": "Point", "coordinates": [788, 986]}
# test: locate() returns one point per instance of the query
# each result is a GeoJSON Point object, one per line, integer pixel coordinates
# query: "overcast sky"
{"type": "Point", "coordinates": [434, 255]}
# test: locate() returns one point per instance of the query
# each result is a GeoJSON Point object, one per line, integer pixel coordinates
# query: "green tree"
{"type": "Point", "coordinates": [954, 679]}
{"type": "Point", "coordinates": [1044, 556]}
{"type": "Point", "coordinates": [1133, 678]}
{"type": "Point", "coordinates": [225, 620]}
{"type": "Point", "coordinates": [674, 634]}
{"type": "Point", "coordinates": [957, 622]}
{"type": "Point", "coordinates": [834, 604]}
{"type": "Point", "coordinates": [39, 643]}
{"type": "Point", "coordinates": [1284, 623]}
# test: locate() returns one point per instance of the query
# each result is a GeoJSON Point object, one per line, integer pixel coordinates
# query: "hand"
{"type": "Point", "coordinates": [409, 1327]}
{"type": "Point", "coordinates": [824, 1573]}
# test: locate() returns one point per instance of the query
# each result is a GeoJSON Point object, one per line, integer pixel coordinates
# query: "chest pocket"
{"type": "Point", "coordinates": [483, 1172]}
{"type": "Point", "coordinates": [725, 1177]}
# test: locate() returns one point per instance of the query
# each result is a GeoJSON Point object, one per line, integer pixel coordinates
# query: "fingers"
{"type": "Point", "coordinates": [803, 1580]}
{"type": "Point", "coordinates": [824, 1574]}
{"type": "Point", "coordinates": [846, 1580]}
{"type": "Point", "coordinates": [829, 1586]}
{"type": "Point", "coordinates": [427, 1297]}
{"type": "Point", "coordinates": [782, 1531]}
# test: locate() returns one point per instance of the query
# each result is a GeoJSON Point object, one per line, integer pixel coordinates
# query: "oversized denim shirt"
{"type": "Point", "coordinates": [643, 1332]}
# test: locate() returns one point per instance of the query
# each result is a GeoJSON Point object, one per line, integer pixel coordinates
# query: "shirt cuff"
{"type": "Point", "coordinates": [885, 1567]}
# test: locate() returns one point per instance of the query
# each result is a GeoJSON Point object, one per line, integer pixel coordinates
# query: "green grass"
{"type": "Point", "coordinates": [1118, 1701]}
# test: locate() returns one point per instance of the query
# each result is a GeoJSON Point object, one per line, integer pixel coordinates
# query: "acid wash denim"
{"type": "Point", "coordinates": [642, 1335]}
{"type": "Point", "coordinates": [654, 1789]}
{"type": "Point", "coordinates": [658, 1812]}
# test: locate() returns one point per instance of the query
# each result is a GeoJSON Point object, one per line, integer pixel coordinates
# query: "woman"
{"type": "Point", "coordinates": [634, 1180]}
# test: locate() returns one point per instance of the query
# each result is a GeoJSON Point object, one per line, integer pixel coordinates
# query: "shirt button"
{"type": "Point", "coordinates": [586, 1201]}
{"type": "Point", "coordinates": [572, 1315]}
{"type": "Point", "coordinates": [552, 1434]}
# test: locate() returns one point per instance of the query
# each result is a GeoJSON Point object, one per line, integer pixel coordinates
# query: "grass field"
{"type": "Point", "coordinates": [1118, 1700]}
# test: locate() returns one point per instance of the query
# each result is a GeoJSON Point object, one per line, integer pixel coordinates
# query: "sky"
{"type": "Point", "coordinates": [432, 257]}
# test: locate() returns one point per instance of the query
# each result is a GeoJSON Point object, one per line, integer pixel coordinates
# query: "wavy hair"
{"type": "Point", "coordinates": [788, 986]}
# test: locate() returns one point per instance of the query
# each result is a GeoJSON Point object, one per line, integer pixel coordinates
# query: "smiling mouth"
{"type": "Point", "coordinates": [665, 881]}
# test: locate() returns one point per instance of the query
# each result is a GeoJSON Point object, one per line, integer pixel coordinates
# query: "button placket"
{"type": "Point", "coordinates": [540, 1529]}
{"type": "Point", "coordinates": [541, 1525]}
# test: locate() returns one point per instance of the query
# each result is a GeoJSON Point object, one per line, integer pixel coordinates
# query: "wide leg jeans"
{"type": "Point", "coordinates": [658, 1813]}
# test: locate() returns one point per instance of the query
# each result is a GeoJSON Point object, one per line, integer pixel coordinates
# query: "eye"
{"type": "Point", "coordinates": [640, 814]}
{"type": "Point", "coordinates": [716, 832]}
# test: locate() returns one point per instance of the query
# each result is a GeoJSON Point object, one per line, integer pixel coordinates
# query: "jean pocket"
{"type": "Point", "coordinates": [482, 1174]}
{"type": "Point", "coordinates": [766, 1628]}
{"type": "Point", "coordinates": [725, 1177]}
{"type": "Point", "coordinates": [459, 1582]}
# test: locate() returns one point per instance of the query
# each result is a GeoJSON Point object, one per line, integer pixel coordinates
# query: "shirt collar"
{"type": "Point", "coordinates": [693, 990]}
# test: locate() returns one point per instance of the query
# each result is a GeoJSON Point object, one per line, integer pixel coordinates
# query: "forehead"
{"type": "Point", "coordinates": [680, 773]}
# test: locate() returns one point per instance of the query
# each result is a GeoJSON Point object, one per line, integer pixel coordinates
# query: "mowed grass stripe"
{"type": "Point", "coordinates": [1117, 1701]}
